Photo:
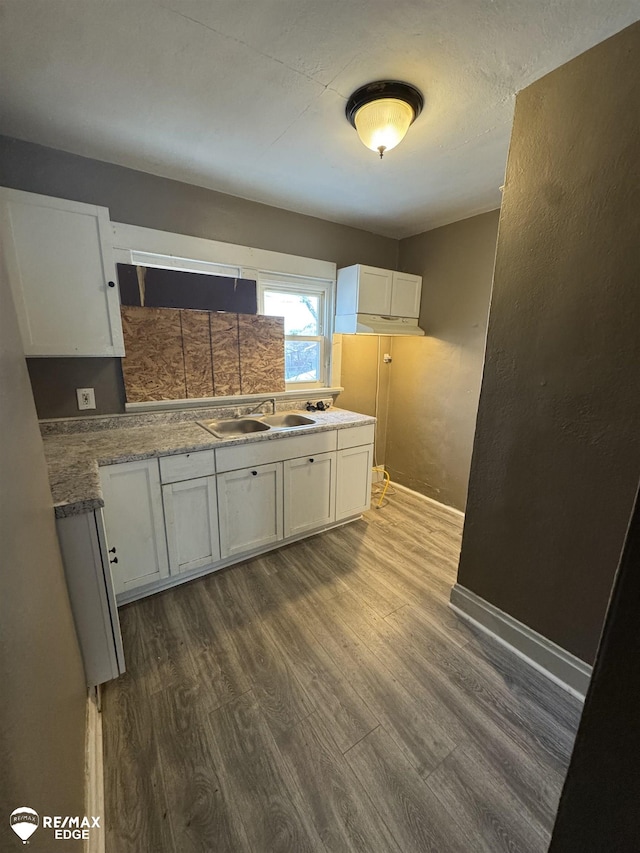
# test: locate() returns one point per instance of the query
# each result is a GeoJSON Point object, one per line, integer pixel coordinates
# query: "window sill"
{"type": "Point", "coordinates": [317, 392]}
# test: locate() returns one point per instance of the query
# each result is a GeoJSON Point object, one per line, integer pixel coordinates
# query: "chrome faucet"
{"type": "Point", "coordinates": [259, 405]}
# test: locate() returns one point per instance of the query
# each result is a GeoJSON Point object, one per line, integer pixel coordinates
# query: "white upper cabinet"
{"type": "Point", "coordinates": [60, 265]}
{"type": "Point", "coordinates": [369, 290]}
{"type": "Point", "coordinates": [405, 295]}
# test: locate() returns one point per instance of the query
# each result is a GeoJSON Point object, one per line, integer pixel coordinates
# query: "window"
{"type": "Point", "coordinates": [304, 304]}
{"type": "Point", "coordinates": [303, 293]}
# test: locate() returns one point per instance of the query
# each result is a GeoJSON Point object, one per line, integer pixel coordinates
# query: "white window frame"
{"type": "Point", "coordinates": [305, 285]}
{"type": "Point", "coordinates": [133, 244]}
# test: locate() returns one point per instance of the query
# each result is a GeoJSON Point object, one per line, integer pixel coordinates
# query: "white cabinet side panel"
{"type": "Point", "coordinates": [87, 594]}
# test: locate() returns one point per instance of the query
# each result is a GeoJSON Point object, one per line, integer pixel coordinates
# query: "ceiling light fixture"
{"type": "Point", "coordinates": [382, 113]}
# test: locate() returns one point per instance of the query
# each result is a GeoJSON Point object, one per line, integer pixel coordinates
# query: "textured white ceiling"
{"type": "Point", "coordinates": [248, 96]}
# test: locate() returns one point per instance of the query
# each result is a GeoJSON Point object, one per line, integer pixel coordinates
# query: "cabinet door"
{"type": "Point", "coordinates": [250, 508]}
{"type": "Point", "coordinates": [59, 261]}
{"type": "Point", "coordinates": [134, 523]}
{"type": "Point", "coordinates": [374, 291]}
{"type": "Point", "coordinates": [309, 493]}
{"type": "Point", "coordinates": [191, 518]}
{"type": "Point", "coordinates": [353, 481]}
{"type": "Point", "coordinates": [405, 295]}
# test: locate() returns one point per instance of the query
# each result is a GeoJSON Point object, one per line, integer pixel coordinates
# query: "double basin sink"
{"type": "Point", "coordinates": [230, 427]}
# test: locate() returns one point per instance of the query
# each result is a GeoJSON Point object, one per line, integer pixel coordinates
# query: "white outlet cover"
{"type": "Point", "coordinates": [86, 398]}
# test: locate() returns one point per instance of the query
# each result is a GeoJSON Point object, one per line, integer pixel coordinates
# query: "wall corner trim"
{"type": "Point", "coordinates": [94, 774]}
{"type": "Point", "coordinates": [558, 665]}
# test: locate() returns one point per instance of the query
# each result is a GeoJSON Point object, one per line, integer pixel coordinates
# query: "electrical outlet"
{"type": "Point", "coordinates": [86, 398]}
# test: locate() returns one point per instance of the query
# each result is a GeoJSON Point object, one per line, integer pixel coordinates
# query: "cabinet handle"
{"type": "Point", "coordinates": [255, 473]}
{"type": "Point", "coordinates": [115, 560]}
{"type": "Point", "coordinates": [112, 550]}
{"type": "Point", "coordinates": [312, 460]}
{"type": "Point", "coordinates": [111, 283]}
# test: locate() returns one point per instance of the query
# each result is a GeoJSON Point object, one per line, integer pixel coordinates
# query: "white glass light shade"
{"type": "Point", "coordinates": [382, 124]}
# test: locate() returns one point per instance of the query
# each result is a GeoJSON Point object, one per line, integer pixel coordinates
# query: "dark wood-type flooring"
{"type": "Point", "coordinates": [324, 697]}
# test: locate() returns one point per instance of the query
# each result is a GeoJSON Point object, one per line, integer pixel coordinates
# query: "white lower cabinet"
{"type": "Point", "coordinates": [134, 522]}
{"type": "Point", "coordinates": [309, 492]}
{"type": "Point", "coordinates": [191, 519]}
{"type": "Point", "coordinates": [175, 516]}
{"type": "Point", "coordinates": [353, 492]}
{"type": "Point", "coordinates": [250, 508]}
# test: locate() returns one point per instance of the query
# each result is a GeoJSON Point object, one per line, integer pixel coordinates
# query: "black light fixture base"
{"type": "Point", "coordinates": [384, 89]}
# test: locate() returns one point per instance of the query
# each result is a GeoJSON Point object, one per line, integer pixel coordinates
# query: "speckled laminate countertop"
{"type": "Point", "coordinates": [73, 459]}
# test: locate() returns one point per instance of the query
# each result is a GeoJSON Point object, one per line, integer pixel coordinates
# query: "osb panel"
{"type": "Point", "coordinates": [225, 351]}
{"type": "Point", "coordinates": [196, 342]}
{"type": "Point", "coordinates": [261, 353]}
{"type": "Point", "coordinates": [153, 366]}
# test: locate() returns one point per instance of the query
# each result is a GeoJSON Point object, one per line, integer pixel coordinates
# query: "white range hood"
{"type": "Point", "coordinates": [375, 301]}
{"type": "Point", "coordinates": [376, 324]}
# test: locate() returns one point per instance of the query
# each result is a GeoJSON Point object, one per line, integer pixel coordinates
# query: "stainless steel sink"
{"type": "Point", "coordinates": [234, 426]}
{"type": "Point", "coordinates": [287, 420]}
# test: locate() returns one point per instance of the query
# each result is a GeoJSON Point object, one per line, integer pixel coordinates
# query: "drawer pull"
{"type": "Point", "coordinates": [112, 550]}
{"type": "Point", "coordinates": [115, 560]}
{"type": "Point", "coordinates": [255, 473]}
{"type": "Point", "coordinates": [311, 460]}
{"type": "Point", "coordinates": [112, 284]}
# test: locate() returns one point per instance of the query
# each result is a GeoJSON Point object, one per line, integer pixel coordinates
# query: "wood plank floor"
{"type": "Point", "coordinates": [325, 698]}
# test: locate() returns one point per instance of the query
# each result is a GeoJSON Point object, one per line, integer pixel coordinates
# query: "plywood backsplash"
{"type": "Point", "coordinates": [177, 354]}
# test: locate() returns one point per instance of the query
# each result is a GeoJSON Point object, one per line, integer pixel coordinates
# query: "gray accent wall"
{"type": "Point", "coordinates": [138, 198]}
{"type": "Point", "coordinates": [435, 380]}
{"type": "Point", "coordinates": [54, 382]}
{"type": "Point", "coordinates": [42, 689]}
{"type": "Point", "coordinates": [556, 456]}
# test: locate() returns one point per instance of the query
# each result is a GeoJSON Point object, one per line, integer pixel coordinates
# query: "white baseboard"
{"type": "Point", "coordinates": [94, 776]}
{"type": "Point", "coordinates": [432, 501]}
{"type": "Point", "coordinates": [560, 666]}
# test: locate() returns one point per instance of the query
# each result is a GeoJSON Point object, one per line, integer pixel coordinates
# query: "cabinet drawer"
{"type": "Point", "coordinates": [266, 452]}
{"type": "Point", "coordinates": [356, 436]}
{"type": "Point", "coordinates": [187, 466]}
